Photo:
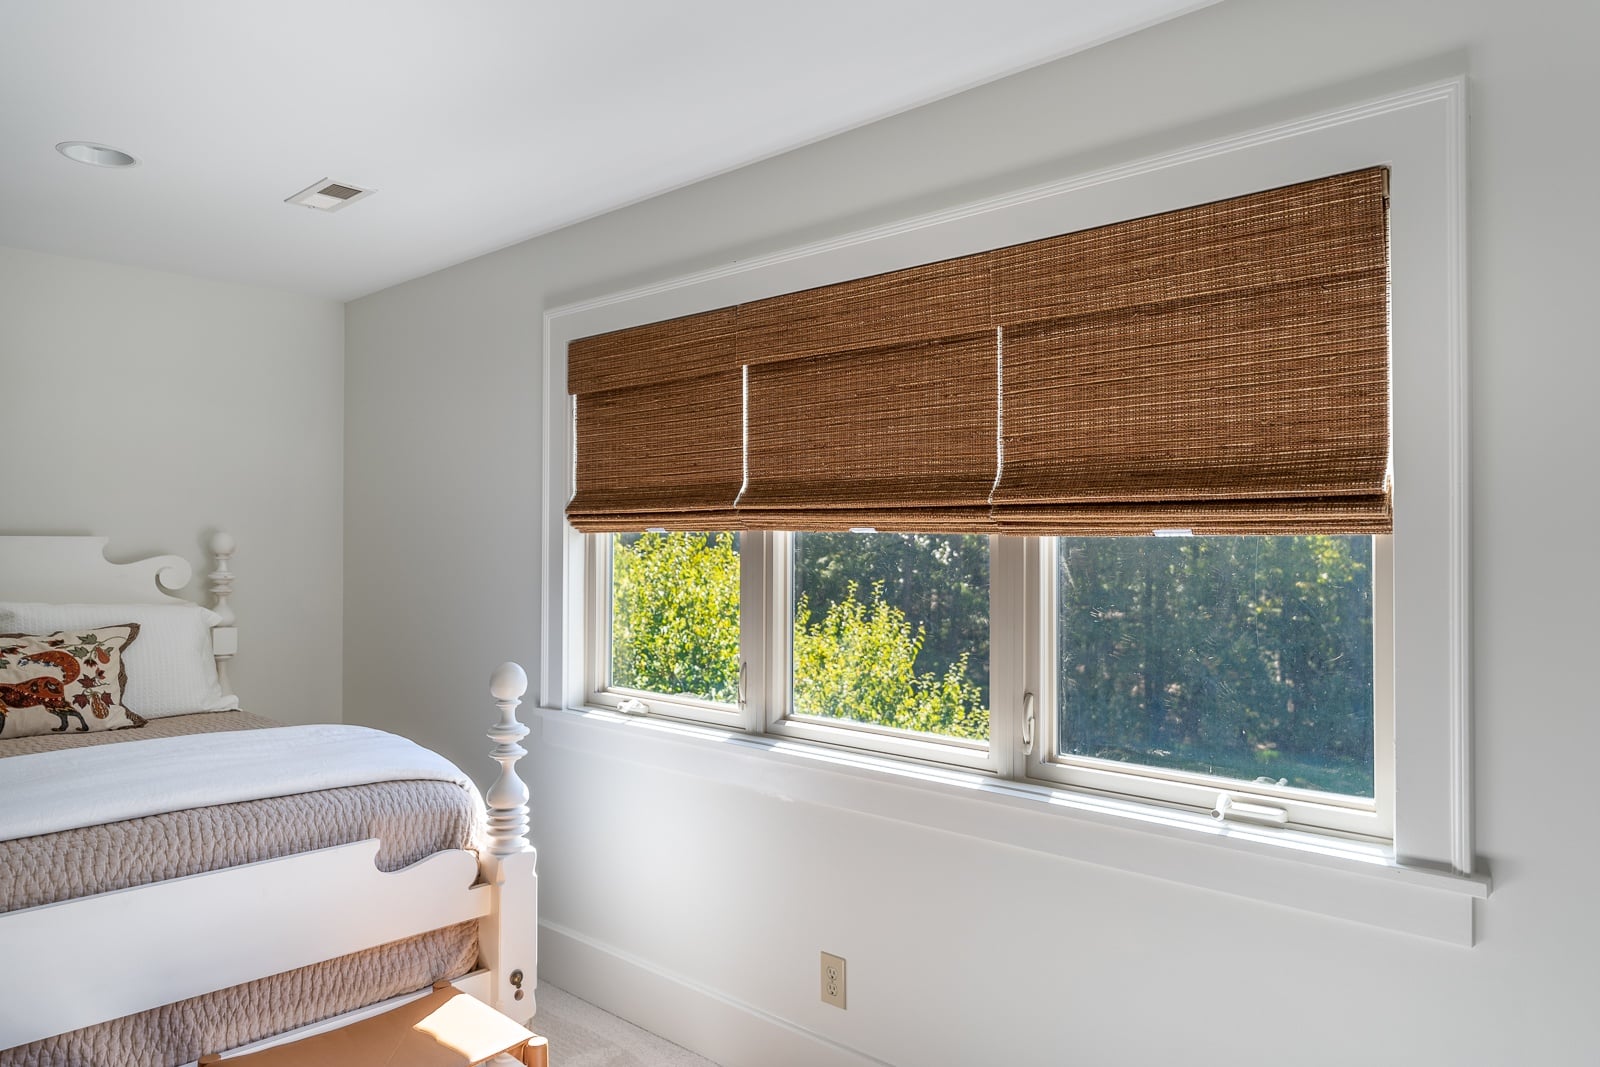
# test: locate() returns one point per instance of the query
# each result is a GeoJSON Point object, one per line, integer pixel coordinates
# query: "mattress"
{"type": "Point", "coordinates": [411, 820]}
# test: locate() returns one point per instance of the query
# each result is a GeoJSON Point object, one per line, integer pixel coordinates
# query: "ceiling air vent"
{"type": "Point", "coordinates": [327, 195]}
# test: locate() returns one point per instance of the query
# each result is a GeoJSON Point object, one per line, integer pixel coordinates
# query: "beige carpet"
{"type": "Point", "coordinates": [581, 1035]}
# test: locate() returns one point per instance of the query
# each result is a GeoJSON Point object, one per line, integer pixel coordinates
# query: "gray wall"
{"type": "Point", "coordinates": [664, 888]}
{"type": "Point", "coordinates": [153, 408]}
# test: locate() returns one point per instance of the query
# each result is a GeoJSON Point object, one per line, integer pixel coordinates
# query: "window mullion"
{"type": "Point", "coordinates": [769, 601]}
{"type": "Point", "coordinates": [1038, 650]}
{"type": "Point", "coordinates": [755, 561]}
{"type": "Point", "coordinates": [597, 616]}
{"type": "Point", "coordinates": [1008, 626]}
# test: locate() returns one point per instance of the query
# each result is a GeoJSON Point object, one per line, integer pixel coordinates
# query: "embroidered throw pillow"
{"type": "Point", "coordinates": [67, 681]}
{"type": "Point", "coordinates": [171, 671]}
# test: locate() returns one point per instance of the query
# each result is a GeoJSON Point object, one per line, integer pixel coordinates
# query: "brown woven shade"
{"type": "Point", "coordinates": [668, 456]}
{"type": "Point", "coordinates": [932, 302]}
{"type": "Point", "coordinates": [1222, 368]}
{"type": "Point", "coordinates": [691, 347]}
{"type": "Point", "coordinates": [896, 439]}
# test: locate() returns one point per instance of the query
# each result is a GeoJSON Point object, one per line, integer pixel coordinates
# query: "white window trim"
{"type": "Point", "coordinates": [1419, 134]}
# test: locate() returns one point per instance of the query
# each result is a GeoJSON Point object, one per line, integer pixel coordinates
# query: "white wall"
{"type": "Point", "coordinates": [153, 408]}
{"type": "Point", "coordinates": [698, 908]}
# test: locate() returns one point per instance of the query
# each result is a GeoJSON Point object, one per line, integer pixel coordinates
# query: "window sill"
{"type": "Point", "coordinates": [1355, 881]}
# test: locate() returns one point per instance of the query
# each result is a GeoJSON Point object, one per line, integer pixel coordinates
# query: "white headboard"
{"type": "Point", "coordinates": [74, 570]}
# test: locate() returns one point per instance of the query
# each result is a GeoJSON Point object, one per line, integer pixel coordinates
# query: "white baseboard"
{"type": "Point", "coordinates": [719, 1027]}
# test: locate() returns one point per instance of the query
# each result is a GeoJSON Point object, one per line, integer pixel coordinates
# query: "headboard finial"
{"type": "Point", "coordinates": [224, 638]}
{"type": "Point", "coordinates": [222, 546]}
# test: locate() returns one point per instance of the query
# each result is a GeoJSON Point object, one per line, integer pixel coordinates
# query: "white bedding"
{"type": "Point", "coordinates": [52, 791]}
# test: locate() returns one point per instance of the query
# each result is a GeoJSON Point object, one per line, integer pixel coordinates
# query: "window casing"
{"type": "Point", "coordinates": [1419, 134]}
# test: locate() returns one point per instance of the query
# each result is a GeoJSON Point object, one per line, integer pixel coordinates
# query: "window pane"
{"type": "Point", "coordinates": [1244, 657]}
{"type": "Point", "coordinates": [675, 614]}
{"type": "Point", "coordinates": [893, 630]}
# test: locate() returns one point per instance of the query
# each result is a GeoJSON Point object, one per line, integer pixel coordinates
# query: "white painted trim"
{"type": "Point", "coordinates": [1459, 447]}
{"type": "Point", "coordinates": [1348, 880]}
{"type": "Point", "coordinates": [1420, 134]}
{"type": "Point", "coordinates": [715, 1024]}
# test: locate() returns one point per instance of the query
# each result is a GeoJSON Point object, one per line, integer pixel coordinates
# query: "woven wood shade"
{"type": "Point", "coordinates": [936, 301]}
{"type": "Point", "coordinates": [691, 347]}
{"type": "Point", "coordinates": [1222, 368]}
{"type": "Point", "coordinates": [668, 455]}
{"type": "Point", "coordinates": [896, 439]}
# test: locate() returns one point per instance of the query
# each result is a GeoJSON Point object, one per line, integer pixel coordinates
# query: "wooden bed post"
{"type": "Point", "coordinates": [224, 635]}
{"type": "Point", "coordinates": [508, 938]}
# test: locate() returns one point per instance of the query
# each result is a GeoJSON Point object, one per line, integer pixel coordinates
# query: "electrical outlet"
{"type": "Point", "coordinates": [833, 980]}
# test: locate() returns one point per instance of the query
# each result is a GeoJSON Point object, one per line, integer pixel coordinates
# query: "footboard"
{"type": "Point", "coordinates": [93, 959]}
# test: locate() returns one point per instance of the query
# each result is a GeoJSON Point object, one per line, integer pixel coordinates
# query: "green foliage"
{"type": "Point", "coordinates": [939, 580]}
{"type": "Point", "coordinates": [675, 614]}
{"type": "Point", "coordinates": [675, 630]}
{"type": "Point", "coordinates": [859, 662]}
{"type": "Point", "coordinates": [1238, 656]}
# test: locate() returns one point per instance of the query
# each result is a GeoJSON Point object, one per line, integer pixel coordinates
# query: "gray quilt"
{"type": "Point", "coordinates": [411, 819]}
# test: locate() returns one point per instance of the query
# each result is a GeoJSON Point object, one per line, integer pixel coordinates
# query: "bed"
{"type": "Point", "coordinates": [207, 880]}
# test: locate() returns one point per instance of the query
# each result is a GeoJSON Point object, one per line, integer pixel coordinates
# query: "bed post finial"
{"type": "Point", "coordinates": [508, 937]}
{"type": "Point", "coordinates": [224, 637]}
{"type": "Point", "coordinates": [222, 546]}
{"type": "Point", "coordinates": [508, 796]}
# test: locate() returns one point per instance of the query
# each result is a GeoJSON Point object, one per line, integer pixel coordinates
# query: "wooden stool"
{"type": "Point", "coordinates": [446, 1028]}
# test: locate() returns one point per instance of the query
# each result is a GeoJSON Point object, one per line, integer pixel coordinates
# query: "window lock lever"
{"type": "Point", "coordinates": [1248, 811]}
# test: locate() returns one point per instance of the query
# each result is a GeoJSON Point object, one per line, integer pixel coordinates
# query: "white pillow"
{"type": "Point", "coordinates": [170, 667]}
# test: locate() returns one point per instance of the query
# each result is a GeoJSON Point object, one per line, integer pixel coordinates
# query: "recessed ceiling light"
{"type": "Point", "coordinates": [96, 155]}
{"type": "Point", "coordinates": [328, 195]}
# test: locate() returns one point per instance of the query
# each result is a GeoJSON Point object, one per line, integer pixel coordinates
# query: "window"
{"type": "Point", "coordinates": [890, 634]}
{"type": "Point", "coordinates": [1186, 668]}
{"type": "Point", "coordinates": [1247, 658]}
{"type": "Point", "coordinates": [1177, 669]}
{"type": "Point", "coordinates": [675, 616]}
{"type": "Point", "coordinates": [1414, 680]}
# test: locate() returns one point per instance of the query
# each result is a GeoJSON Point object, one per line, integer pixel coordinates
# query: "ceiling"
{"type": "Point", "coordinates": [479, 123]}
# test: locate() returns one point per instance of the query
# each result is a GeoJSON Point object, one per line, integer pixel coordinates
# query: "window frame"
{"type": "Point", "coordinates": [1303, 808]}
{"type": "Point", "coordinates": [766, 658]}
{"type": "Point", "coordinates": [1419, 134]}
{"type": "Point", "coordinates": [779, 718]}
{"type": "Point", "coordinates": [599, 691]}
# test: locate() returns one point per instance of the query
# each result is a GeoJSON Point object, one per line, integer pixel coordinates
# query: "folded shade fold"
{"type": "Point", "coordinates": [668, 455]}
{"type": "Point", "coordinates": [894, 438]}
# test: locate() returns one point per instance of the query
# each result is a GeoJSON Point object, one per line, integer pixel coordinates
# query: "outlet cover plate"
{"type": "Point", "coordinates": [833, 980]}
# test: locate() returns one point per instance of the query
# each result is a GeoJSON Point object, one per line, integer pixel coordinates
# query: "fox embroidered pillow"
{"type": "Point", "coordinates": [67, 681]}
